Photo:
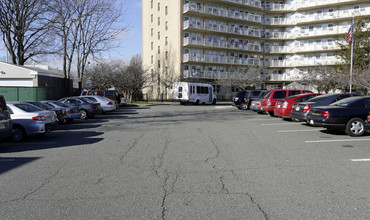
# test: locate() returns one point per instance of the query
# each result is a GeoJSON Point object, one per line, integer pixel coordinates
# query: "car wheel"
{"type": "Point", "coordinates": [295, 120]}
{"type": "Point", "coordinates": [19, 134]}
{"type": "Point", "coordinates": [270, 113]}
{"type": "Point", "coordinates": [355, 127]}
{"type": "Point", "coordinates": [197, 102]}
{"type": "Point", "coordinates": [83, 114]}
{"type": "Point", "coordinates": [243, 106]}
{"type": "Point", "coordinates": [214, 102]}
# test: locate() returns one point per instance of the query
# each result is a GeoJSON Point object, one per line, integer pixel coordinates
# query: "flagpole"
{"type": "Point", "coordinates": [351, 70]}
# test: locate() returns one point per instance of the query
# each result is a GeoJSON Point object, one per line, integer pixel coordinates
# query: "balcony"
{"type": "Point", "coordinates": [220, 60]}
{"type": "Point", "coordinates": [301, 48]}
{"type": "Point", "coordinates": [280, 7]}
{"type": "Point", "coordinates": [319, 3]}
{"type": "Point", "coordinates": [252, 3]}
{"type": "Point", "coordinates": [223, 44]}
{"type": "Point", "coordinates": [222, 28]}
{"type": "Point", "coordinates": [222, 13]}
{"type": "Point", "coordinates": [301, 62]}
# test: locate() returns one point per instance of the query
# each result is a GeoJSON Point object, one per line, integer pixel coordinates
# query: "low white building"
{"type": "Point", "coordinates": [32, 82]}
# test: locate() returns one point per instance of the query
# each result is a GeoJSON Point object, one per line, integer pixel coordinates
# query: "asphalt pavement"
{"type": "Point", "coordinates": [186, 162]}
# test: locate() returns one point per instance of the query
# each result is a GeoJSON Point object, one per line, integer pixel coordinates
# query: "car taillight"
{"type": "Point", "coordinates": [306, 108]}
{"type": "Point", "coordinates": [39, 118]}
{"type": "Point", "coordinates": [93, 106]}
{"type": "Point", "coordinates": [325, 114]}
{"type": "Point", "coordinates": [70, 112]}
{"type": "Point", "coordinates": [258, 104]}
{"type": "Point", "coordinates": [110, 103]}
{"type": "Point", "coordinates": [285, 105]}
{"type": "Point", "coordinates": [368, 118]}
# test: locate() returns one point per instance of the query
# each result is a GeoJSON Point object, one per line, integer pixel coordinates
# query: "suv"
{"type": "Point", "coordinates": [111, 94]}
{"type": "Point", "coordinates": [6, 124]}
{"type": "Point", "coordinates": [268, 101]}
{"type": "Point", "coordinates": [243, 99]}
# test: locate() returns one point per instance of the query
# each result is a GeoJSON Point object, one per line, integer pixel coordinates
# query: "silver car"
{"type": "Point", "coordinates": [106, 104]}
{"type": "Point", "coordinates": [30, 120]}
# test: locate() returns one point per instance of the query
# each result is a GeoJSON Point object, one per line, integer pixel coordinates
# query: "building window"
{"type": "Point", "coordinates": [151, 4]}
{"type": "Point", "coordinates": [151, 32]}
{"type": "Point", "coordinates": [151, 18]}
{"type": "Point", "coordinates": [159, 21]}
{"type": "Point", "coordinates": [159, 64]}
{"type": "Point", "coordinates": [151, 45]}
{"type": "Point", "coordinates": [159, 6]}
{"type": "Point", "coordinates": [159, 49]}
{"type": "Point", "coordinates": [166, 41]}
{"type": "Point", "coordinates": [151, 60]}
{"type": "Point", "coordinates": [166, 57]}
{"type": "Point", "coordinates": [166, 10]}
{"type": "Point", "coordinates": [159, 35]}
{"type": "Point", "coordinates": [166, 27]}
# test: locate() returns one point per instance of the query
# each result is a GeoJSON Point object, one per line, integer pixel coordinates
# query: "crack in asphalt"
{"type": "Point", "coordinates": [216, 155]}
{"type": "Point", "coordinates": [46, 181]}
{"type": "Point", "coordinates": [167, 192]}
{"type": "Point", "coordinates": [132, 146]}
{"type": "Point", "coordinates": [223, 188]}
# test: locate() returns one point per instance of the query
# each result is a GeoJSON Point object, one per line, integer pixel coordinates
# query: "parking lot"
{"type": "Point", "coordinates": [186, 162]}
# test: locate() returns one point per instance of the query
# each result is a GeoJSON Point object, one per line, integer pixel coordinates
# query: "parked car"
{"type": "Point", "coordinates": [60, 112]}
{"type": "Point", "coordinates": [88, 109]}
{"type": "Point", "coordinates": [106, 104]}
{"type": "Point", "coordinates": [268, 101]}
{"type": "Point", "coordinates": [72, 111]}
{"type": "Point", "coordinates": [30, 120]}
{"type": "Point", "coordinates": [348, 114]}
{"type": "Point", "coordinates": [283, 107]}
{"type": "Point", "coordinates": [6, 124]}
{"type": "Point", "coordinates": [243, 99]}
{"type": "Point", "coordinates": [301, 110]}
{"type": "Point", "coordinates": [111, 94]}
{"type": "Point", "coordinates": [367, 123]}
{"type": "Point", "coordinates": [256, 106]}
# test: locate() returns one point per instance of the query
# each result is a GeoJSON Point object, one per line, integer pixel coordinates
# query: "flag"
{"type": "Point", "coordinates": [349, 34]}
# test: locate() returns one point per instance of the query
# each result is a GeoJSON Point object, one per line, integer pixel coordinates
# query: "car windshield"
{"type": "Point", "coordinates": [267, 95]}
{"type": "Point", "coordinates": [28, 107]}
{"type": "Point", "coordinates": [90, 99]}
{"type": "Point", "coordinates": [86, 100]}
{"type": "Point", "coordinates": [345, 102]}
{"type": "Point", "coordinates": [42, 105]}
{"type": "Point", "coordinates": [319, 98]}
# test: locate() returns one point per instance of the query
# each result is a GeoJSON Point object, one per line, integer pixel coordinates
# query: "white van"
{"type": "Point", "coordinates": [196, 93]}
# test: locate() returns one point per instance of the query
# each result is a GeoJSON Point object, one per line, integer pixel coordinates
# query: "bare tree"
{"type": "Point", "coordinates": [100, 76]}
{"type": "Point", "coordinates": [95, 29]}
{"type": "Point", "coordinates": [322, 78]}
{"type": "Point", "coordinates": [131, 79]}
{"type": "Point", "coordinates": [25, 27]}
{"type": "Point", "coordinates": [361, 79]}
{"type": "Point", "coordinates": [242, 77]}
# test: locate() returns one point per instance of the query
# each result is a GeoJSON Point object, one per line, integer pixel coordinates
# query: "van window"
{"type": "Point", "coordinates": [101, 93]}
{"type": "Point", "coordinates": [279, 94]}
{"type": "Point", "coordinates": [294, 92]}
{"type": "Point", "coordinates": [91, 93]}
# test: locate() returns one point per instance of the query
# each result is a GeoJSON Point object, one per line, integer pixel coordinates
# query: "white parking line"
{"type": "Point", "coordinates": [360, 160]}
{"type": "Point", "coordinates": [287, 131]}
{"type": "Point", "coordinates": [339, 140]}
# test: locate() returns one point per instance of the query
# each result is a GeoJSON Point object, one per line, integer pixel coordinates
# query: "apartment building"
{"type": "Point", "coordinates": [203, 40]}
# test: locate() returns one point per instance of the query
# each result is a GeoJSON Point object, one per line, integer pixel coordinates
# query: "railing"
{"type": "Point", "coordinates": [223, 44]}
{"type": "Point", "coordinates": [220, 59]}
{"type": "Point", "coordinates": [304, 48]}
{"type": "Point", "coordinates": [253, 3]}
{"type": "Point", "coordinates": [222, 13]}
{"type": "Point", "coordinates": [222, 28]}
{"type": "Point", "coordinates": [303, 62]}
{"type": "Point", "coordinates": [312, 3]}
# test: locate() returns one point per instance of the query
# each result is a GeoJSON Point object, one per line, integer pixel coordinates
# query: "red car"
{"type": "Point", "coordinates": [284, 106]}
{"type": "Point", "coordinates": [269, 99]}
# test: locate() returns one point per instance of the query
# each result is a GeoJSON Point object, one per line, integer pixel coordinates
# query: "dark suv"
{"type": "Point", "coordinates": [6, 125]}
{"type": "Point", "coordinates": [243, 99]}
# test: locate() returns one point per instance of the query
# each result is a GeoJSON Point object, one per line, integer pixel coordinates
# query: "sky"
{"type": "Point", "coordinates": [130, 42]}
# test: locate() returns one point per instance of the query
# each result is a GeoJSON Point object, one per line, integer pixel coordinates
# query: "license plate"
{"type": "Point", "coordinates": [311, 122]}
{"type": "Point", "coordinates": [297, 108]}
{"type": "Point", "coordinates": [2, 125]}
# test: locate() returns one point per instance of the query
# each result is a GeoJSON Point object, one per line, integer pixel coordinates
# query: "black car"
{"type": "Point", "coordinates": [88, 109]}
{"type": "Point", "coordinates": [347, 114]}
{"type": "Point", "coordinates": [301, 109]}
{"type": "Point", "coordinates": [61, 112]}
{"type": "Point", "coordinates": [6, 124]}
{"type": "Point", "coordinates": [243, 99]}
